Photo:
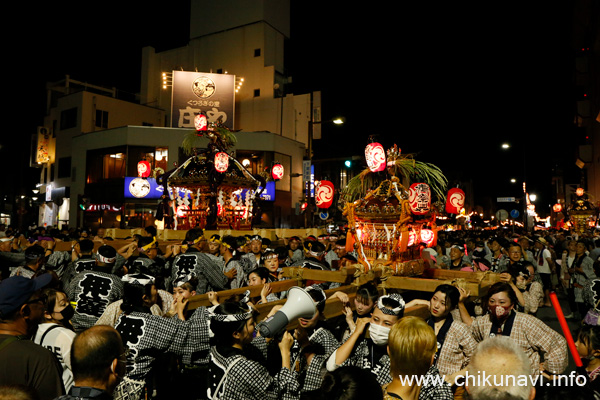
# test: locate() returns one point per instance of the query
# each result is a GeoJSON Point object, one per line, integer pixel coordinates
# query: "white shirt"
{"type": "Point", "coordinates": [544, 268]}
{"type": "Point", "coordinates": [58, 341]}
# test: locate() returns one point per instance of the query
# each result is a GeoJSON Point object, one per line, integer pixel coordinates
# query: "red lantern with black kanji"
{"type": "Point", "coordinates": [455, 201]}
{"type": "Point", "coordinates": [277, 171]}
{"type": "Point", "coordinates": [324, 194]}
{"type": "Point", "coordinates": [201, 123]}
{"type": "Point", "coordinates": [144, 169]}
{"type": "Point", "coordinates": [375, 157]}
{"type": "Point", "coordinates": [221, 161]}
{"type": "Point", "coordinates": [419, 197]}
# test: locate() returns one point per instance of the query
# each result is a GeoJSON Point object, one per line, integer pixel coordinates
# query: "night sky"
{"type": "Point", "coordinates": [449, 84]}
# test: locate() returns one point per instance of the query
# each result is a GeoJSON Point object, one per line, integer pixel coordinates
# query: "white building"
{"type": "Point", "coordinates": [99, 138]}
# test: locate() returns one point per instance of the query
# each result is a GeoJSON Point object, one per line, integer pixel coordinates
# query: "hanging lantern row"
{"type": "Point", "coordinates": [375, 157]}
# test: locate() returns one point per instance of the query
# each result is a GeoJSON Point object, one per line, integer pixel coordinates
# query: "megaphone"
{"type": "Point", "coordinates": [299, 304]}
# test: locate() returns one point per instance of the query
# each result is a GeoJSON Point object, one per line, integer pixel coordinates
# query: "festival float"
{"type": "Point", "coordinates": [583, 214]}
{"type": "Point", "coordinates": [392, 208]}
{"type": "Point", "coordinates": [389, 210]}
{"type": "Point", "coordinates": [211, 189]}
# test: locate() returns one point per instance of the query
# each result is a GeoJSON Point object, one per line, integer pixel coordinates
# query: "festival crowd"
{"type": "Point", "coordinates": [115, 322]}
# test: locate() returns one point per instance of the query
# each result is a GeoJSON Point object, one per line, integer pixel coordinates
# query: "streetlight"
{"type": "Point", "coordinates": [506, 146]}
{"type": "Point", "coordinates": [311, 124]}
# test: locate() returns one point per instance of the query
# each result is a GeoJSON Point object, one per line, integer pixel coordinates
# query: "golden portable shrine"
{"type": "Point", "coordinates": [583, 214]}
{"type": "Point", "coordinates": [390, 219]}
{"type": "Point", "coordinates": [211, 189]}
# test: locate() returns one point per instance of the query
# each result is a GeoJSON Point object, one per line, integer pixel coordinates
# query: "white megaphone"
{"type": "Point", "coordinates": [299, 304]}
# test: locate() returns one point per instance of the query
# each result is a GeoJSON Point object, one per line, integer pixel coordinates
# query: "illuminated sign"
{"type": "Point", "coordinates": [267, 195]}
{"type": "Point", "coordinates": [43, 153]}
{"type": "Point", "coordinates": [140, 188]}
{"type": "Point", "coordinates": [195, 92]}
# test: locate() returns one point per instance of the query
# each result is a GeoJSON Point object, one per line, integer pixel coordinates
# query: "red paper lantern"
{"type": "Point", "coordinates": [419, 197]}
{"type": "Point", "coordinates": [144, 169]}
{"type": "Point", "coordinates": [557, 207]}
{"type": "Point", "coordinates": [427, 236]}
{"type": "Point", "coordinates": [455, 201]}
{"type": "Point", "coordinates": [579, 191]}
{"type": "Point", "coordinates": [375, 157]}
{"type": "Point", "coordinates": [324, 194]}
{"type": "Point", "coordinates": [201, 123]}
{"type": "Point", "coordinates": [221, 161]}
{"type": "Point", "coordinates": [277, 171]}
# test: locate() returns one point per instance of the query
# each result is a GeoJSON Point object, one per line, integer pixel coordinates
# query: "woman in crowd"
{"type": "Point", "coordinates": [498, 256]}
{"type": "Point", "coordinates": [455, 342]}
{"type": "Point", "coordinates": [536, 338]}
{"type": "Point", "coordinates": [270, 260]}
{"type": "Point", "coordinates": [370, 353]}
{"type": "Point", "coordinates": [261, 276]}
{"type": "Point", "coordinates": [364, 302]}
{"type": "Point", "coordinates": [233, 371]}
{"type": "Point", "coordinates": [581, 271]}
{"type": "Point", "coordinates": [566, 279]}
{"type": "Point", "coordinates": [531, 290]}
{"type": "Point", "coordinates": [56, 333]}
{"type": "Point", "coordinates": [412, 348]}
{"type": "Point", "coordinates": [588, 347]}
{"type": "Point", "coordinates": [313, 344]}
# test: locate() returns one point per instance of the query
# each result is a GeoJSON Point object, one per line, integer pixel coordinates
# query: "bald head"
{"type": "Point", "coordinates": [499, 369]}
{"type": "Point", "coordinates": [93, 352]}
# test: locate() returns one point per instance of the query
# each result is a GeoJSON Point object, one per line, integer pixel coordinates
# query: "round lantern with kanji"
{"type": "Point", "coordinates": [419, 197]}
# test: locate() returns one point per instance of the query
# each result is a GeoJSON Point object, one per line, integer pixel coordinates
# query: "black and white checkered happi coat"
{"type": "Point", "coordinates": [208, 269]}
{"type": "Point", "coordinates": [147, 336]}
{"type": "Point", "coordinates": [322, 344]}
{"type": "Point", "coordinates": [92, 291]}
{"type": "Point", "coordinates": [247, 379]}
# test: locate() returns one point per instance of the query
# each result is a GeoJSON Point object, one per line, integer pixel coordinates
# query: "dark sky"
{"type": "Point", "coordinates": [449, 84]}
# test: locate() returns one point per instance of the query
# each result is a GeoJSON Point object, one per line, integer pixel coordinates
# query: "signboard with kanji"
{"type": "Point", "coordinates": [201, 91]}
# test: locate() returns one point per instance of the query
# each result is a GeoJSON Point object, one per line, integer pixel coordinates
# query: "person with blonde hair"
{"type": "Point", "coordinates": [412, 345]}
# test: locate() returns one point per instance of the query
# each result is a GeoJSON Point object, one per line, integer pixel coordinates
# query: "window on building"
{"type": "Point", "coordinates": [113, 165]}
{"type": "Point", "coordinates": [256, 92]}
{"type": "Point", "coordinates": [64, 167]}
{"type": "Point", "coordinates": [256, 52]}
{"type": "Point", "coordinates": [68, 118]}
{"type": "Point", "coordinates": [102, 119]}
